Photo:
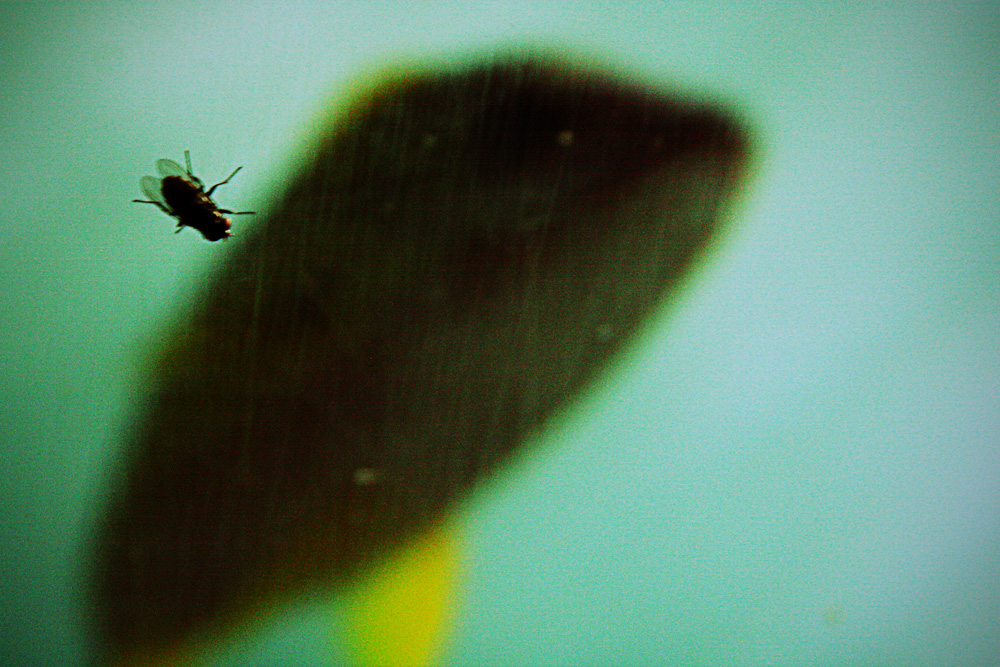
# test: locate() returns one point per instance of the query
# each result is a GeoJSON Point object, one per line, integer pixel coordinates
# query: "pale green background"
{"type": "Point", "coordinates": [800, 464]}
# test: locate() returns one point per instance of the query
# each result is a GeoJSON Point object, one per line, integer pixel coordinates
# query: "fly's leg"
{"type": "Point", "coordinates": [212, 189]}
{"type": "Point", "coordinates": [226, 211]}
{"type": "Point", "coordinates": [190, 172]}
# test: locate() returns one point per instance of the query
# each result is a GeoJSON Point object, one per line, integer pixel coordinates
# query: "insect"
{"type": "Point", "coordinates": [182, 195]}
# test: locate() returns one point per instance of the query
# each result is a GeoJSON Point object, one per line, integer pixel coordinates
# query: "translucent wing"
{"type": "Point", "coordinates": [170, 168]}
{"type": "Point", "coordinates": [150, 186]}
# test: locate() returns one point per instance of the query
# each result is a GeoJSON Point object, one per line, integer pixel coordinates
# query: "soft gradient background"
{"type": "Point", "coordinates": [798, 466]}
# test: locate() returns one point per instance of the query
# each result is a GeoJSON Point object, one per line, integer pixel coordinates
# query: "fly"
{"type": "Point", "coordinates": [182, 195]}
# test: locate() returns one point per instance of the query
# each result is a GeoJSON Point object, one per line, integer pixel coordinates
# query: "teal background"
{"type": "Point", "coordinates": [799, 463]}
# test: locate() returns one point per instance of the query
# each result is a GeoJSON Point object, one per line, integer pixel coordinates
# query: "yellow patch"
{"type": "Point", "coordinates": [400, 614]}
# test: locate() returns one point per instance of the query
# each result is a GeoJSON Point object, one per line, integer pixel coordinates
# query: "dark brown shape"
{"type": "Point", "coordinates": [467, 249]}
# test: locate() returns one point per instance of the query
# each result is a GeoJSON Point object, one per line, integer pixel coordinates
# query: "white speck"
{"type": "Point", "coordinates": [429, 141]}
{"type": "Point", "coordinates": [565, 138]}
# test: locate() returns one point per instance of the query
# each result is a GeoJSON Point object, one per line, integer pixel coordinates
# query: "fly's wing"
{"type": "Point", "coordinates": [150, 186]}
{"type": "Point", "coordinates": [170, 168]}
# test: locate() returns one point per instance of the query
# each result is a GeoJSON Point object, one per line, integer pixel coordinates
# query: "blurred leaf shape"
{"type": "Point", "coordinates": [467, 248]}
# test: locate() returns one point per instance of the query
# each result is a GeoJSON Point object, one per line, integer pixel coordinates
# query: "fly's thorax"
{"type": "Point", "coordinates": [181, 194]}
